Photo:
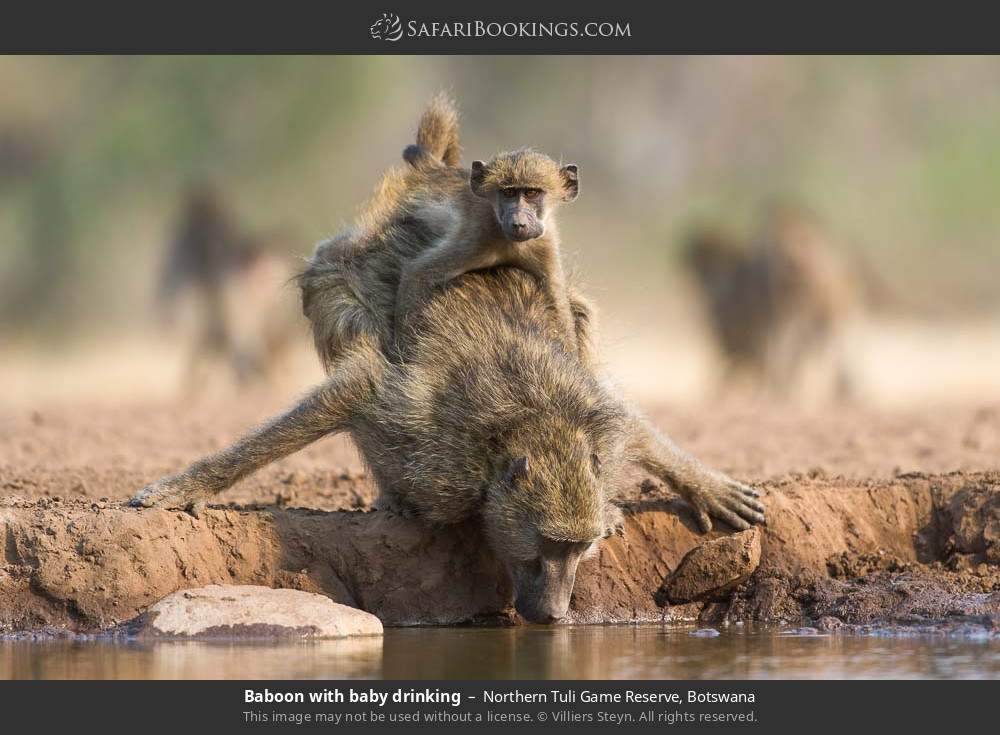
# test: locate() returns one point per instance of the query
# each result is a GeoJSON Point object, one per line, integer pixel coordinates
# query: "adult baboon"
{"type": "Point", "coordinates": [244, 317]}
{"type": "Point", "coordinates": [480, 409]}
{"type": "Point", "coordinates": [778, 305]}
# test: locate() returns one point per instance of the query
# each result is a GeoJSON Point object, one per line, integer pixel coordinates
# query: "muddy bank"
{"type": "Point", "coordinates": [915, 549]}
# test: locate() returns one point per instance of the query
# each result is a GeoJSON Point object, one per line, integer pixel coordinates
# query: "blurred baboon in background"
{"type": "Point", "coordinates": [21, 151]}
{"type": "Point", "coordinates": [244, 311]}
{"type": "Point", "coordinates": [779, 305]}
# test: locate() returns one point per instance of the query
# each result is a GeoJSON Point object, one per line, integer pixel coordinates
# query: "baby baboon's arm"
{"type": "Point", "coordinates": [542, 261]}
{"type": "Point", "coordinates": [326, 409]}
{"type": "Point", "coordinates": [709, 492]}
{"type": "Point", "coordinates": [446, 261]}
{"type": "Point", "coordinates": [451, 258]}
{"type": "Point", "coordinates": [585, 327]}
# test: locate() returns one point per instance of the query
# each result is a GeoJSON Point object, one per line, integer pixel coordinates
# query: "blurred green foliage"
{"type": "Point", "coordinates": [900, 157]}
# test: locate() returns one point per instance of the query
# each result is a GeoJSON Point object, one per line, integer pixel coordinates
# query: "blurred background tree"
{"type": "Point", "coordinates": [898, 157]}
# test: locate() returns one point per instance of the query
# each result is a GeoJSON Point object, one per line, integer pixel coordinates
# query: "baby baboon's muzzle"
{"type": "Point", "coordinates": [521, 225]}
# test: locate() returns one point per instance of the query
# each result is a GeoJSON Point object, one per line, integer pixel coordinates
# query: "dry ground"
{"type": "Point", "coordinates": [107, 450]}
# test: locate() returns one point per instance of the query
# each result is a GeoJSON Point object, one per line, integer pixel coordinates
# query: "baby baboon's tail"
{"type": "Point", "coordinates": [437, 135]}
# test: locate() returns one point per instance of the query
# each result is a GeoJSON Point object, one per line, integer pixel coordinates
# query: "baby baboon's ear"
{"type": "Point", "coordinates": [571, 182]}
{"type": "Point", "coordinates": [477, 179]}
{"type": "Point", "coordinates": [516, 469]}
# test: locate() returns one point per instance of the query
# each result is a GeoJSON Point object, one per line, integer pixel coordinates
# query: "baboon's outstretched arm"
{"type": "Point", "coordinates": [328, 408]}
{"type": "Point", "coordinates": [710, 493]}
{"type": "Point", "coordinates": [447, 260]}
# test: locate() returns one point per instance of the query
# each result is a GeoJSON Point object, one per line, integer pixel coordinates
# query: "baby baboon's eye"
{"type": "Point", "coordinates": [532, 193]}
{"type": "Point", "coordinates": [595, 462]}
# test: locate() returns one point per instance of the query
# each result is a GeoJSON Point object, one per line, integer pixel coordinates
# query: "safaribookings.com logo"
{"type": "Point", "coordinates": [390, 28]}
{"type": "Point", "coordinates": [387, 28]}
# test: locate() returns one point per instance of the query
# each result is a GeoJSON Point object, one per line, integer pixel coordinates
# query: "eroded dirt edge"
{"type": "Point", "coordinates": [914, 550]}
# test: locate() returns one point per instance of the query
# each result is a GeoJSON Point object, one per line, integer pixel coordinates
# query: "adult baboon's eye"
{"type": "Point", "coordinates": [532, 193]}
{"type": "Point", "coordinates": [510, 193]}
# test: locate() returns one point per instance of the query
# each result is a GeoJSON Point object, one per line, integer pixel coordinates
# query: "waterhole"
{"type": "Point", "coordinates": [566, 652]}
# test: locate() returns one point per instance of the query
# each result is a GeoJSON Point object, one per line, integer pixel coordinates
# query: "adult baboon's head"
{"type": "Point", "coordinates": [546, 511]}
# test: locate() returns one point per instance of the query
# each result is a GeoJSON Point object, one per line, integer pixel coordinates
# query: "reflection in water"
{"type": "Point", "coordinates": [580, 652]}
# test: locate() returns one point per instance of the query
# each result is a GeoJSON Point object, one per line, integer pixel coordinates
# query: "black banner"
{"type": "Point", "coordinates": [493, 706]}
{"type": "Point", "coordinates": [450, 27]}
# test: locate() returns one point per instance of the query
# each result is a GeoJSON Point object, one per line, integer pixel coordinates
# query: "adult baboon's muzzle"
{"type": "Point", "coordinates": [543, 589]}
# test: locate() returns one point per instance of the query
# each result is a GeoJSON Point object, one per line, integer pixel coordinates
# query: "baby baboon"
{"type": "Point", "coordinates": [418, 231]}
{"type": "Point", "coordinates": [778, 305]}
{"type": "Point", "coordinates": [237, 287]}
{"type": "Point", "coordinates": [504, 217]}
{"type": "Point", "coordinates": [489, 417]}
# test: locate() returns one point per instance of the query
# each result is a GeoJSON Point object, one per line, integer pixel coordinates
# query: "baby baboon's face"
{"type": "Point", "coordinates": [520, 212]}
{"type": "Point", "coordinates": [522, 187]}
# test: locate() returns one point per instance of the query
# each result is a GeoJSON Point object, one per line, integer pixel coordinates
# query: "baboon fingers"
{"type": "Point", "coordinates": [197, 508]}
{"type": "Point", "coordinates": [138, 501]}
{"type": "Point", "coordinates": [731, 518]}
{"type": "Point", "coordinates": [754, 517]}
{"type": "Point", "coordinates": [148, 497]}
{"type": "Point", "coordinates": [702, 518]}
{"type": "Point", "coordinates": [749, 510]}
{"type": "Point", "coordinates": [166, 494]}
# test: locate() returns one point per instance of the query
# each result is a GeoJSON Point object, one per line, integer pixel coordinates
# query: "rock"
{"type": "Point", "coordinates": [974, 512]}
{"type": "Point", "coordinates": [252, 611]}
{"type": "Point", "coordinates": [829, 623]}
{"type": "Point", "coordinates": [711, 570]}
{"type": "Point", "coordinates": [705, 633]}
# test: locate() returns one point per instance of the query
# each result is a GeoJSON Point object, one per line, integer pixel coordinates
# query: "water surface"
{"type": "Point", "coordinates": [567, 652]}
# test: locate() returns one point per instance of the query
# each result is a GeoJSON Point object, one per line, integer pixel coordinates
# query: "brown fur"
{"type": "Point", "coordinates": [471, 236]}
{"type": "Point", "coordinates": [489, 415]}
{"type": "Point", "coordinates": [778, 305]}
{"type": "Point", "coordinates": [237, 286]}
{"type": "Point", "coordinates": [437, 135]}
{"type": "Point", "coordinates": [422, 227]}
{"type": "Point", "coordinates": [527, 168]}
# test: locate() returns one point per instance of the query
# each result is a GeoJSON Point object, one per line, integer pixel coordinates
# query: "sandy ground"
{"type": "Point", "coordinates": [885, 516]}
{"type": "Point", "coordinates": [107, 450]}
{"type": "Point", "coordinates": [886, 509]}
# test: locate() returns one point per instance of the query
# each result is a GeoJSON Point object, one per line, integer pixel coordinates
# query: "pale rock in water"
{"type": "Point", "coordinates": [251, 611]}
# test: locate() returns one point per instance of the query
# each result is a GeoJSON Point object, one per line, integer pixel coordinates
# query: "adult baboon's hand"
{"type": "Point", "coordinates": [173, 492]}
{"type": "Point", "coordinates": [726, 499]}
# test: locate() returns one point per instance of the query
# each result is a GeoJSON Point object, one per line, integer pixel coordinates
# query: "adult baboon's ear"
{"type": "Point", "coordinates": [516, 469]}
{"type": "Point", "coordinates": [595, 463]}
{"type": "Point", "coordinates": [571, 182]}
{"type": "Point", "coordinates": [477, 178]}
